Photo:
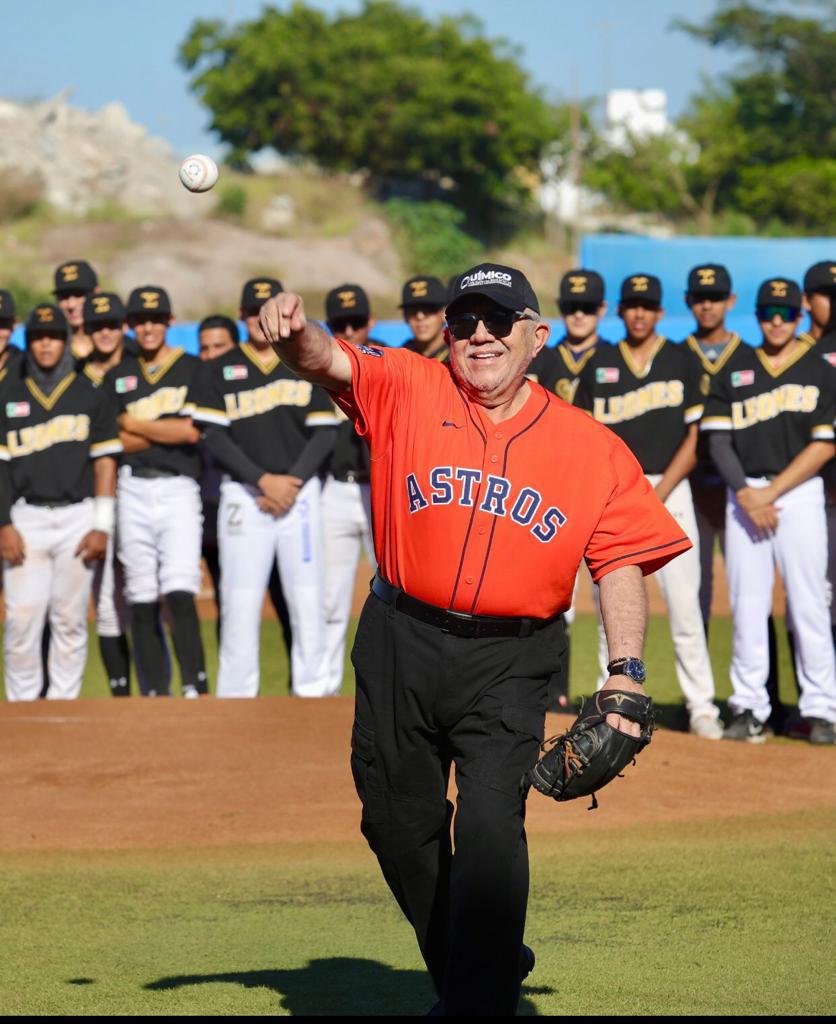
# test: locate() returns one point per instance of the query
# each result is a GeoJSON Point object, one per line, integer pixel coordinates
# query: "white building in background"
{"type": "Point", "coordinates": [640, 113]}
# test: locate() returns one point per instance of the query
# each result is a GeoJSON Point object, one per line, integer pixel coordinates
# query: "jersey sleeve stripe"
{"type": "Point", "coordinates": [322, 419]}
{"type": "Point", "coordinates": [823, 433]}
{"type": "Point", "coordinates": [4, 454]}
{"type": "Point", "coordinates": [111, 447]}
{"type": "Point", "coordinates": [693, 414]}
{"type": "Point", "coordinates": [716, 423]}
{"type": "Point", "coordinates": [682, 542]}
{"type": "Point", "coordinates": [209, 416]}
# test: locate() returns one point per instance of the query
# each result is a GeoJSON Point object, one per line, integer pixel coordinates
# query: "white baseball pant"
{"type": "Point", "coordinates": [159, 528]}
{"type": "Point", "coordinates": [799, 550]}
{"type": "Point", "coordinates": [248, 541]}
{"type": "Point", "coordinates": [679, 582]}
{"type": "Point", "coordinates": [52, 581]}
{"type": "Point", "coordinates": [108, 594]}
{"type": "Point", "coordinates": [347, 519]}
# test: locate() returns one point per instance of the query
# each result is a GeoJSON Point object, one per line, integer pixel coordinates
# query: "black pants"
{"type": "Point", "coordinates": [425, 701]}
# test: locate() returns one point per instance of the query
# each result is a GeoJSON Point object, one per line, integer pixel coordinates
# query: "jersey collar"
{"type": "Point", "coordinates": [48, 402]}
{"type": "Point", "coordinates": [773, 371]}
{"type": "Point", "coordinates": [153, 374]}
{"type": "Point", "coordinates": [265, 368]}
{"type": "Point", "coordinates": [575, 364]}
{"type": "Point", "coordinates": [627, 356]}
{"type": "Point", "coordinates": [709, 366]}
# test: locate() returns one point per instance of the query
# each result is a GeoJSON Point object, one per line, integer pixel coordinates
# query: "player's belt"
{"type": "Point", "coordinates": [456, 623]}
{"type": "Point", "coordinates": [50, 502]}
{"type": "Point", "coordinates": [150, 473]}
{"type": "Point", "coordinates": [352, 477]}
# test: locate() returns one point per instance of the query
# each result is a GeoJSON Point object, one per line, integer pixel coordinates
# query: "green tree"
{"type": "Point", "coordinates": [761, 142]}
{"type": "Point", "coordinates": [383, 90]}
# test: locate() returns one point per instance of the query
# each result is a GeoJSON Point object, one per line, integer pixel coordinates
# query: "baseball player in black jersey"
{"type": "Point", "coordinates": [74, 281]}
{"type": "Point", "coordinates": [11, 358]}
{"type": "Point", "coordinates": [817, 300]}
{"type": "Point", "coordinates": [423, 299]}
{"type": "Point", "coordinates": [58, 439]}
{"type": "Point", "coordinates": [346, 503]}
{"type": "Point", "coordinates": [770, 416]}
{"type": "Point", "coordinates": [645, 389]}
{"type": "Point", "coordinates": [281, 432]}
{"type": "Point", "coordinates": [161, 394]}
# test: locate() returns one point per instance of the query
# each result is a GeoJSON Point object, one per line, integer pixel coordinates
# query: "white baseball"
{"type": "Point", "coordinates": [198, 172]}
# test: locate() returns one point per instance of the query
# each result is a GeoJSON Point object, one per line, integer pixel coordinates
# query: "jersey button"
{"type": "Point", "coordinates": [483, 529]}
{"type": "Point", "coordinates": [494, 458]}
{"type": "Point", "coordinates": [468, 579]}
{"type": "Point", "coordinates": [498, 436]}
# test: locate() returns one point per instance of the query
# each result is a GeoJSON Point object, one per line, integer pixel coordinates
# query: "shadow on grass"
{"type": "Point", "coordinates": [337, 986]}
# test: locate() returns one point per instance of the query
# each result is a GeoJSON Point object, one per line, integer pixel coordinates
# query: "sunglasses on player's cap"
{"type": "Point", "coordinates": [75, 277]}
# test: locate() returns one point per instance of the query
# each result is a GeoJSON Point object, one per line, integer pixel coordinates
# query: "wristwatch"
{"type": "Point", "coordinates": [633, 668]}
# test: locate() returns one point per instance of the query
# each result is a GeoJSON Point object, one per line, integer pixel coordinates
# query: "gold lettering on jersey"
{"type": "Point", "coordinates": [566, 387]}
{"type": "Point", "coordinates": [41, 436]}
{"type": "Point", "coordinates": [779, 289]}
{"type": "Point", "coordinates": [150, 300]}
{"type": "Point", "coordinates": [640, 284]}
{"type": "Point", "coordinates": [766, 406]}
{"type": "Point", "coordinates": [347, 299]}
{"type": "Point", "coordinates": [660, 394]}
{"type": "Point", "coordinates": [164, 402]}
{"type": "Point", "coordinates": [261, 289]}
{"type": "Point", "coordinates": [577, 284]}
{"type": "Point", "coordinates": [243, 404]}
{"type": "Point", "coordinates": [101, 304]}
{"type": "Point", "coordinates": [707, 276]}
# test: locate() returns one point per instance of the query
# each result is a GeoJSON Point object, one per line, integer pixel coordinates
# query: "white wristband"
{"type": "Point", "coordinates": [104, 514]}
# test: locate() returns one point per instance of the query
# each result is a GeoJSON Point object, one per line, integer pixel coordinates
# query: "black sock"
{"type": "Point", "coordinates": [117, 662]}
{"type": "Point", "coordinates": [149, 652]}
{"type": "Point", "coordinates": [188, 643]}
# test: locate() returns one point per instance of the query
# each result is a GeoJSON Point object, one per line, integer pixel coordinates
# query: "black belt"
{"type": "Point", "coordinates": [456, 623]}
{"type": "Point", "coordinates": [50, 502]}
{"type": "Point", "coordinates": [352, 478]}
{"type": "Point", "coordinates": [150, 473]}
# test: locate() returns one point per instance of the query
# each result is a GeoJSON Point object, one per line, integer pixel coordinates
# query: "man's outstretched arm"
{"type": "Point", "coordinates": [303, 344]}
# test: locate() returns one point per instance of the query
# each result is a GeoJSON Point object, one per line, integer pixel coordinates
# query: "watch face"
{"type": "Point", "coordinates": [635, 670]}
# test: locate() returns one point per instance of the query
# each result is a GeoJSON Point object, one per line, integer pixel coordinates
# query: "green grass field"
{"type": "Point", "coordinates": [682, 920]}
{"type": "Point", "coordinates": [662, 684]}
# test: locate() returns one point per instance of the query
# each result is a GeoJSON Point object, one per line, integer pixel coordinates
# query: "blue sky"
{"type": "Point", "coordinates": [125, 50]}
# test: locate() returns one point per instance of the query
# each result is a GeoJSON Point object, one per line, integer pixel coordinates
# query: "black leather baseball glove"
{"type": "Point", "coordinates": [592, 753]}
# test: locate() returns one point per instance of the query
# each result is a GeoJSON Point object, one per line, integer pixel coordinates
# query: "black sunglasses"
{"type": "Point", "coordinates": [356, 323]}
{"type": "Point", "coordinates": [587, 308]}
{"type": "Point", "coordinates": [499, 323]}
{"type": "Point", "coordinates": [788, 314]}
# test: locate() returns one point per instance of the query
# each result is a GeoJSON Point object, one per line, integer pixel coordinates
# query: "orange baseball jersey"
{"type": "Point", "coordinates": [494, 518]}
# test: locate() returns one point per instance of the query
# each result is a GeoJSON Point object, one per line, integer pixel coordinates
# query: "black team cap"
{"type": "Point", "coordinates": [821, 277]}
{"type": "Point", "coordinates": [779, 291]}
{"type": "Point", "coordinates": [75, 277]}
{"type": "Point", "coordinates": [149, 299]}
{"type": "Point", "coordinates": [103, 308]}
{"type": "Point", "coordinates": [422, 290]}
{"type": "Point", "coordinates": [710, 279]}
{"type": "Point", "coordinates": [581, 286]}
{"type": "Point", "coordinates": [348, 300]}
{"type": "Point", "coordinates": [8, 310]}
{"type": "Point", "coordinates": [642, 287]}
{"type": "Point", "coordinates": [46, 319]}
{"type": "Point", "coordinates": [507, 287]}
{"type": "Point", "coordinates": [258, 290]}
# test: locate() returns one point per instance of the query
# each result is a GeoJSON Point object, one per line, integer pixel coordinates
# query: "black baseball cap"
{"type": "Point", "coordinates": [46, 319]}
{"type": "Point", "coordinates": [644, 287]}
{"type": "Point", "coordinates": [8, 310]}
{"type": "Point", "coordinates": [508, 287]}
{"type": "Point", "coordinates": [258, 290]}
{"type": "Point", "coordinates": [821, 277]}
{"type": "Point", "coordinates": [711, 280]}
{"type": "Point", "coordinates": [149, 299]}
{"type": "Point", "coordinates": [348, 300]}
{"type": "Point", "coordinates": [423, 290]}
{"type": "Point", "coordinates": [103, 308]}
{"type": "Point", "coordinates": [779, 291]}
{"type": "Point", "coordinates": [581, 286]}
{"type": "Point", "coordinates": [75, 277]}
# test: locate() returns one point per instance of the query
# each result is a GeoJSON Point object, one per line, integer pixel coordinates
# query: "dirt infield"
{"type": "Point", "coordinates": [100, 774]}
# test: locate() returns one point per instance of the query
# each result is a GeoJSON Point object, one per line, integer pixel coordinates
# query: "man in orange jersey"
{"type": "Point", "coordinates": [487, 491]}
